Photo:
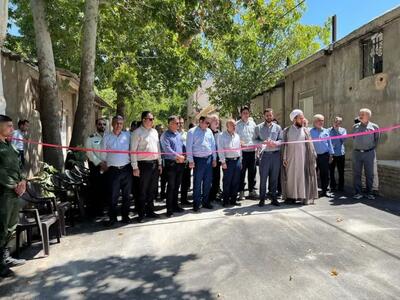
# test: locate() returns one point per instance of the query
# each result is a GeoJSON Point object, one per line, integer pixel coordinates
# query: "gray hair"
{"type": "Point", "coordinates": [319, 117]}
{"type": "Point", "coordinates": [366, 110]}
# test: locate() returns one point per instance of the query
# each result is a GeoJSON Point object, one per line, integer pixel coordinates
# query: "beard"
{"type": "Point", "coordinates": [298, 123]}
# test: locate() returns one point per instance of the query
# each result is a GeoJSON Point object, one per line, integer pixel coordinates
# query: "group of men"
{"type": "Point", "coordinates": [133, 162]}
{"type": "Point", "coordinates": [289, 160]}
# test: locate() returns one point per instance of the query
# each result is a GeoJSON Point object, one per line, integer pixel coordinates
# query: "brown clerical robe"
{"type": "Point", "coordinates": [299, 178]}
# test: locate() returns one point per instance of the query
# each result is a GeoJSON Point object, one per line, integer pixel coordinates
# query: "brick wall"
{"type": "Point", "coordinates": [389, 178]}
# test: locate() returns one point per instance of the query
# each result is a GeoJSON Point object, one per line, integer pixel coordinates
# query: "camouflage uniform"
{"type": "Point", "coordinates": [10, 176]}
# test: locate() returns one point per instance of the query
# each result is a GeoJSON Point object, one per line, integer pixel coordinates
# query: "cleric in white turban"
{"type": "Point", "coordinates": [295, 113]}
{"type": "Point", "coordinates": [299, 177]}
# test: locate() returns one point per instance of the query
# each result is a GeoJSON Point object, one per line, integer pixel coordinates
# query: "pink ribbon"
{"type": "Point", "coordinates": [81, 149]}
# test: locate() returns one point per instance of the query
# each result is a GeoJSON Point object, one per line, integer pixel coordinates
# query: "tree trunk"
{"type": "Point", "coordinates": [50, 105]}
{"type": "Point", "coordinates": [86, 87]}
{"type": "Point", "coordinates": [3, 32]}
{"type": "Point", "coordinates": [120, 105]}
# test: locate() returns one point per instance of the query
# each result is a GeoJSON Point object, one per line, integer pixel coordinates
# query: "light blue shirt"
{"type": "Point", "coordinates": [200, 143]}
{"type": "Point", "coordinates": [171, 143]}
{"type": "Point", "coordinates": [273, 133]}
{"type": "Point", "coordinates": [338, 144]}
{"type": "Point", "coordinates": [227, 141]}
{"type": "Point", "coordinates": [18, 144]}
{"type": "Point", "coordinates": [117, 142]}
{"type": "Point", "coordinates": [323, 146]}
{"type": "Point", "coordinates": [246, 130]}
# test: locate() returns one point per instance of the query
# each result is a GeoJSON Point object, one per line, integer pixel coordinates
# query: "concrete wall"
{"type": "Point", "coordinates": [273, 98]}
{"type": "Point", "coordinates": [21, 94]}
{"type": "Point", "coordinates": [335, 82]}
{"type": "Point", "coordinates": [20, 81]}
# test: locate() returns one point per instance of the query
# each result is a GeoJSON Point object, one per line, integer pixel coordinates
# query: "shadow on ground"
{"type": "Point", "coordinates": [145, 277]}
{"type": "Point", "coordinates": [388, 205]}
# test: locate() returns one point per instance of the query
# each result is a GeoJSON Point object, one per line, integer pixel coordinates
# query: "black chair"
{"type": "Point", "coordinates": [64, 207]}
{"type": "Point", "coordinates": [43, 216]}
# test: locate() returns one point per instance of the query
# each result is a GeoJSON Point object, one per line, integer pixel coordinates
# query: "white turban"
{"type": "Point", "coordinates": [295, 113]}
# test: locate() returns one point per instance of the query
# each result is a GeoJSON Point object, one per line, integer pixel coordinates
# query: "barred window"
{"type": "Point", "coordinates": [372, 55]}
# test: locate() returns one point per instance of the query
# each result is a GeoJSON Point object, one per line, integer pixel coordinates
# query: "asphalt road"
{"type": "Point", "coordinates": [335, 249]}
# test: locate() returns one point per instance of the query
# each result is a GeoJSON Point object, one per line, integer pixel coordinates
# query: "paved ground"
{"type": "Point", "coordinates": [335, 249]}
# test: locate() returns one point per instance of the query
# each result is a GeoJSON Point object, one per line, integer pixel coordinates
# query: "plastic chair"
{"type": "Point", "coordinates": [43, 217]}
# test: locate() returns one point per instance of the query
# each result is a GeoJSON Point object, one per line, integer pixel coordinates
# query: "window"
{"type": "Point", "coordinates": [307, 106]}
{"type": "Point", "coordinates": [372, 55]}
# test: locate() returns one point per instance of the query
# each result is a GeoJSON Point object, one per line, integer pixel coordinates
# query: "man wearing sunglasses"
{"type": "Point", "coordinates": [202, 157]}
{"type": "Point", "coordinates": [96, 165]}
{"type": "Point", "coordinates": [146, 165]}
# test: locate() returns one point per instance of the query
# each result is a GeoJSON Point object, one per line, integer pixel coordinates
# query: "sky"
{"type": "Point", "coordinates": [351, 14]}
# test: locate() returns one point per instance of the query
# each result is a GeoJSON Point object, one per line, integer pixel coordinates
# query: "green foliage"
{"type": "Point", "coordinates": [43, 178]}
{"type": "Point", "coordinates": [152, 54]}
{"type": "Point", "coordinates": [251, 58]}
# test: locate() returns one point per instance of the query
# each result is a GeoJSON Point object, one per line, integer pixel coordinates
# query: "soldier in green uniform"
{"type": "Point", "coordinates": [12, 185]}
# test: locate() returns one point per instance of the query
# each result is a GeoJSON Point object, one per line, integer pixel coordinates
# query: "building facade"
{"type": "Point", "coordinates": [360, 70]}
{"type": "Point", "coordinates": [21, 92]}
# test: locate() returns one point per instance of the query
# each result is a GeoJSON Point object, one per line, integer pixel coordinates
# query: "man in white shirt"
{"type": "Point", "coordinates": [231, 162]}
{"type": "Point", "coordinates": [187, 172]}
{"type": "Point", "coordinates": [98, 192]}
{"type": "Point", "coordinates": [18, 136]}
{"type": "Point", "coordinates": [146, 165]}
{"type": "Point", "coordinates": [245, 128]}
{"type": "Point", "coordinates": [119, 170]}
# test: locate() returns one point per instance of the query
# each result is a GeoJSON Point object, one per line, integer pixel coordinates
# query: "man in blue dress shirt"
{"type": "Point", "coordinates": [338, 160]}
{"type": "Point", "coordinates": [324, 151]}
{"type": "Point", "coordinates": [174, 162]}
{"type": "Point", "coordinates": [200, 147]}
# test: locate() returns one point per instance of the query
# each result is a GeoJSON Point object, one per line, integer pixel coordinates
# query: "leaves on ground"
{"type": "Point", "coordinates": [334, 272]}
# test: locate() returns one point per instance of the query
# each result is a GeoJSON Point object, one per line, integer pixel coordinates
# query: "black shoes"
{"type": "Point", "coordinates": [236, 203]}
{"type": "Point", "coordinates": [110, 222]}
{"type": "Point", "coordinates": [196, 208]}
{"type": "Point", "coordinates": [126, 220]}
{"type": "Point", "coordinates": [5, 271]}
{"type": "Point", "coordinates": [275, 202]}
{"type": "Point", "coordinates": [140, 219]}
{"type": "Point", "coordinates": [290, 201]}
{"type": "Point", "coordinates": [178, 209]}
{"type": "Point", "coordinates": [152, 215]}
{"type": "Point", "coordinates": [9, 261]}
{"type": "Point", "coordinates": [169, 214]}
{"type": "Point", "coordinates": [208, 206]}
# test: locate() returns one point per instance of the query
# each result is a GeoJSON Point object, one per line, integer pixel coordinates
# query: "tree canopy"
{"type": "Point", "coordinates": [152, 54]}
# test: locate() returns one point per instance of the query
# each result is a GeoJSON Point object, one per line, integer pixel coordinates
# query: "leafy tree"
{"type": "Point", "coordinates": [50, 104]}
{"type": "Point", "coordinates": [86, 84]}
{"type": "Point", "coordinates": [250, 58]}
{"type": "Point", "coordinates": [3, 30]}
